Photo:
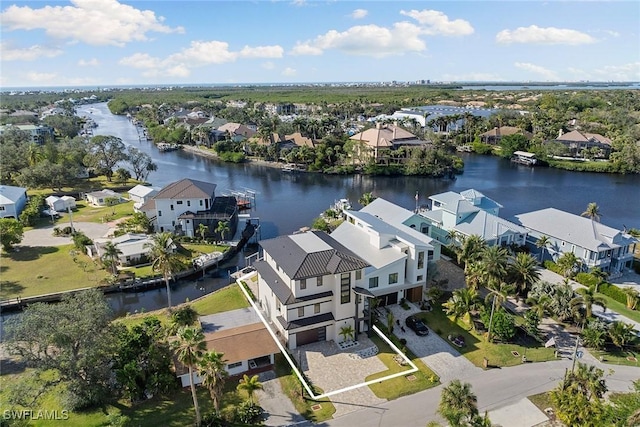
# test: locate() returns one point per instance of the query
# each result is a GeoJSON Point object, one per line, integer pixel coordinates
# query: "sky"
{"type": "Point", "coordinates": [112, 42]}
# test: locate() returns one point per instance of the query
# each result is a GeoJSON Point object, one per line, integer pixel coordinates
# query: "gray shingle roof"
{"type": "Point", "coordinates": [187, 189]}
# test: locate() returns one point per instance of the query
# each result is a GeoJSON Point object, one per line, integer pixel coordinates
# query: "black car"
{"type": "Point", "coordinates": [417, 326]}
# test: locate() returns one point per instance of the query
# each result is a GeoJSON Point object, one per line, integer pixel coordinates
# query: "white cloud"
{"type": "Point", "coordinates": [366, 40]}
{"type": "Point", "coordinates": [199, 53]}
{"type": "Point", "coordinates": [537, 35]}
{"type": "Point", "coordinates": [359, 13]}
{"type": "Point", "coordinates": [536, 69]}
{"type": "Point", "coordinates": [627, 72]}
{"type": "Point", "coordinates": [30, 53]}
{"type": "Point", "coordinates": [93, 62]}
{"type": "Point", "coordinates": [437, 23]}
{"type": "Point", "coordinates": [40, 77]}
{"type": "Point", "coordinates": [95, 22]}
{"type": "Point", "coordinates": [289, 72]}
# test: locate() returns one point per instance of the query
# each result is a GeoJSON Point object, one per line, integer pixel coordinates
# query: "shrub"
{"type": "Point", "coordinates": [550, 265]}
{"type": "Point", "coordinates": [614, 292]}
{"type": "Point", "coordinates": [80, 240]}
{"type": "Point", "coordinates": [248, 413]}
{"type": "Point", "coordinates": [586, 279]}
{"type": "Point", "coordinates": [184, 316]}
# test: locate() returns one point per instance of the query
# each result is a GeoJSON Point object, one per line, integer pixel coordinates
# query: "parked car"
{"type": "Point", "coordinates": [457, 340]}
{"type": "Point", "coordinates": [416, 325]}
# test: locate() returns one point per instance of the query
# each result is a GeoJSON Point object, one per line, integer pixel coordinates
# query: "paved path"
{"type": "Point", "coordinates": [434, 351]}
{"type": "Point", "coordinates": [278, 408]}
{"type": "Point", "coordinates": [44, 236]}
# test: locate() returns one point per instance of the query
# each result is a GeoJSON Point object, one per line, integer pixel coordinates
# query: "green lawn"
{"type": "Point", "coordinates": [30, 271]}
{"type": "Point", "coordinates": [292, 388]}
{"type": "Point", "coordinates": [617, 357]}
{"type": "Point", "coordinates": [401, 386]}
{"type": "Point", "coordinates": [88, 213]}
{"type": "Point", "coordinates": [620, 308]}
{"type": "Point", "coordinates": [477, 348]}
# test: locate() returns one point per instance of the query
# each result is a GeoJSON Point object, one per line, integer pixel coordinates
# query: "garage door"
{"type": "Point", "coordinates": [312, 335]}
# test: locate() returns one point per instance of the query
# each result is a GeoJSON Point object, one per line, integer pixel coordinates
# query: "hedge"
{"type": "Point", "coordinates": [586, 279]}
{"type": "Point", "coordinates": [613, 291]}
{"type": "Point", "coordinates": [550, 265]}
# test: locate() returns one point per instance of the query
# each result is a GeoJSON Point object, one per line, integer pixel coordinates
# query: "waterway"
{"type": "Point", "coordinates": [286, 202]}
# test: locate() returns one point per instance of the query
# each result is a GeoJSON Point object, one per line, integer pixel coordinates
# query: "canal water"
{"type": "Point", "coordinates": [286, 202]}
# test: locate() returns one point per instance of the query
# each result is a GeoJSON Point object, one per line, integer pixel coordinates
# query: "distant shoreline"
{"type": "Point", "coordinates": [200, 152]}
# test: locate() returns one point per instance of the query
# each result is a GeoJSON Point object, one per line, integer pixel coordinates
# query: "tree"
{"type": "Point", "coordinates": [202, 230]}
{"type": "Point", "coordinates": [542, 243]}
{"type": "Point", "coordinates": [222, 228]}
{"type": "Point", "coordinates": [211, 368]}
{"type": "Point", "coordinates": [250, 385]}
{"type": "Point", "coordinates": [105, 152]}
{"type": "Point", "coordinates": [347, 332]}
{"type": "Point", "coordinates": [110, 256]}
{"type": "Point", "coordinates": [366, 198]}
{"type": "Point", "coordinates": [472, 250]}
{"type": "Point", "coordinates": [632, 297]}
{"type": "Point", "coordinates": [461, 303]}
{"type": "Point", "coordinates": [122, 175]}
{"type": "Point", "coordinates": [586, 299]}
{"type": "Point", "coordinates": [524, 273]}
{"type": "Point", "coordinates": [189, 348]}
{"type": "Point", "coordinates": [592, 211]}
{"type": "Point", "coordinates": [11, 233]}
{"type": "Point", "coordinates": [539, 303]}
{"type": "Point", "coordinates": [600, 275]}
{"type": "Point", "coordinates": [75, 339]}
{"type": "Point", "coordinates": [495, 261]}
{"type": "Point", "coordinates": [568, 263]}
{"type": "Point", "coordinates": [621, 333]}
{"type": "Point", "coordinates": [320, 224]}
{"type": "Point", "coordinates": [502, 325]}
{"type": "Point", "coordinates": [594, 334]}
{"type": "Point", "coordinates": [458, 404]}
{"type": "Point", "coordinates": [578, 398]}
{"type": "Point", "coordinates": [141, 163]}
{"type": "Point", "coordinates": [164, 259]}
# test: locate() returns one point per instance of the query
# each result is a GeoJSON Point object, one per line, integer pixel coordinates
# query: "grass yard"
{"type": "Point", "coordinates": [292, 388]}
{"type": "Point", "coordinates": [88, 213]}
{"type": "Point", "coordinates": [401, 386]}
{"type": "Point", "coordinates": [477, 348]}
{"type": "Point", "coordinates": [195, 249]}
{"type": "Point", "coordinates": [542, 400]}
{"type": "Point", "coordinates": [42, 270]}
{"type": "Point", "coordinates": [616, 356]}
{"type": "Point", "coordinates": [620, 308]}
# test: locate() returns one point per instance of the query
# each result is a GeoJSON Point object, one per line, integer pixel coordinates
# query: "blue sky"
{"type": "Point", "coordinates": [111, 42]}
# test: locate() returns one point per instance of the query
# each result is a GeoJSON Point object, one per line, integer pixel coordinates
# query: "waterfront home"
{"type": "Point", "coordinates": [470, 213]}
{"type": "Point", "coordinates": [579, 142]}
{"type": "Point", "coordinates": [243, 339]}
{"type": "Point", "coordinates": [308, 287]}
{"type": "Point", "coordinates": [387, 237]}
{"type": "Point", "coordinates": [377, 143]}
{"type": "Point", "coordinates": [134, 248]}
{"type": "Point", "coordinates": [595, 244]}
{"type": "Point", "coordinates": [493, 136]}
{"type": "Point", "coordinates": [140, 194]}
{"type": "Point", "coordinates": [12, 201]}
{"type": "Point", "coordinates": [104, 197]}
{"type": "Point", "coordinates": [182, 205]}
{"type": "Point", "coordinates": [237, 132]}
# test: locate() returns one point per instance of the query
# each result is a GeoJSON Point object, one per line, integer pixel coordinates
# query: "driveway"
{"type": "Point", "coordinates": [44, 236]}
{"type": "Point", "coordinates": [277, 406]}
{"type": "Point", "coordinates": [434, 351]}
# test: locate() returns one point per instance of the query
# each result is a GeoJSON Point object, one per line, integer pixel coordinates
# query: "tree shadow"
{"type": "Point", "coordinates": [9, 288]}
{"type": "Point", "coordinates": [30, 253]}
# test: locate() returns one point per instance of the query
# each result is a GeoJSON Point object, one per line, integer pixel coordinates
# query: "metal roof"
{"type": "Point", "coordinates": [187, 189]}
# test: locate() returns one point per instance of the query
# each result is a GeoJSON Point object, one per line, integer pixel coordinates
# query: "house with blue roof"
{"type": "Point", "coordinates": [12, 201]}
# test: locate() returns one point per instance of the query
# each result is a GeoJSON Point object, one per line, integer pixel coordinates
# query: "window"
{"type": "Point", "coordinates": [188, 202]}
{"type": "Point", "coordinates": [303, 284]}
{"type": "Point", "coordinates": [200, 202]}
{"type": "Point", "coordinates": [430, 255]}
{"type": "Point", "coordinates": [358, 274]}
{"type": "Point", "coordinates": [419, 278]}
{"type": "Point", "coordinates": [319, 280]}
{"type": "Point", "coordinates": [278, 306]}
{"type": "Point", "coordinates": [316, 308]}
{"type": "Point", "coordinates": [420, 260]}
{"type": "Point", "coordinates": [179, 202]}
{"type": "Point", "coordinates": [1, 208]}
{"type": "Point", "coordinates": [159, 213]}
{"type": "Point", "coordinates": [171, 207]}
{"type": "Point", "coordinates": [345, 288]}
{"type": "Point", "coordinates": [300, 311]}
{"type": "Point", "coordinates": [373, 282]}
{"type": "Point", "coordinates": [234, 365]}
{"type": "Point", "coordinates": [393, 278]}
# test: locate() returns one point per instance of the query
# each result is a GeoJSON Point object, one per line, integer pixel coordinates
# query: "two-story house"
{"type": "Point", "coordinates": [471, 213]}
{"type": "Point", "coordinates": [387, 237]}
{"type": "Point", "coordinates": [307, 286]}
{"type": "Point", "coordinates": [595, 244]}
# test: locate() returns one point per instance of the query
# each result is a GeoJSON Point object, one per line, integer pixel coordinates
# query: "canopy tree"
{"type": "Point", "coordinates": [10, 233]}
{"type": "Point", "coordinates": [105, 152]}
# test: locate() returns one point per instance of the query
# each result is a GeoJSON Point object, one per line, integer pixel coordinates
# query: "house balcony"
{"type": "Point", "coordinates": [319, 320]}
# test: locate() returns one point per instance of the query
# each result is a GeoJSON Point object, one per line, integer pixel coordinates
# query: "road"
{"type": "Point", "coordinates": [495, 388]}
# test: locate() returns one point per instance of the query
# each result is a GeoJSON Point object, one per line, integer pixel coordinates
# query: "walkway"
{"type": "Point", "coordinates": [277, 406]}
{"type": "Point", "coordinates": [433, 350]}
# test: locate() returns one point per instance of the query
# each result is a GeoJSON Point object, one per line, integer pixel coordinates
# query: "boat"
{"type": "Point", "coordinates": [341, 205]}
{"type": "Point", "coordinates": [163, 146]}
{"type": "Point", "coordinates": [524, 158]}
{"type": "Point", "coordinates": [292, 167]}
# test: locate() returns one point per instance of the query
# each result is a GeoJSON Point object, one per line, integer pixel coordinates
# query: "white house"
{"type": "Point", "coordinates": [12, 201]}
{"type": "Point", "coordinates": [140, 194]}
{"type": "Point", "coordinates": [60, 204]}
{"type": "Point", "coordinates": [595, 244]}
{"type": "Point", "coordinates": [243, 339]}
{"type": "Point", "coordinates": [103, 197]}
{"type": "Point", "coordinates": [308, 287]}
{"type": "Point", "coordinates": [471, 213]}
{"type": "Point", "coordinates": [387, 237]}
{"type": "Point", "coordinates": [134, 248]}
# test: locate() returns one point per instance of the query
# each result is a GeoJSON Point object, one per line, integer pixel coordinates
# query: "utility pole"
{"type": "Point", "coordinates": [71, 219]}
{"type": "Point", "coordinates": [575, 350]}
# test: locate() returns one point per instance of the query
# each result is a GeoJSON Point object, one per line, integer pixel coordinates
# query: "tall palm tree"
{"type": "Point", "coordinates": [474, 275]}
{"type": "Point", "coordinates": [110, 256]}
{"type": "Point", "coordinates": [586, 299]}
{"type": "Point", "coordinates": [164, 259]}
{"type": "Point", "coordinates": [458, 404]}
{"type": "Point", "coordinates": [472, 249]}
{"type": "Point", "coordinates": [189, 348]}
{"type": "Point", "coordinates": [495, 261]}
{"type": "Point", "coordinates": [366, 198]}
{"type": "Point", "coordinates": [211, 368]}
{"type": "Point", "coordinates": [600, 275]}
{"type": "Point", "coordinates": [250, 385]}
{"type": "Point", "coordinates": [568, 263]}
{"type": "Point", "coordinates": [222, 228]}
{"type": "Point", "coordinates": [461, 303]}
{"type": "Point", "coordinates": [592, 211]}
{"type": "Point", "coordinates": [542, 243]}
{"type": "Point", "coordinates": [500, 290]}
{"type": "Point", "coordinates": [202, 230]}
{"type": "Point", "coordinates": [524, 272]}
{"type": "Point", "coordinates": [540, 304]}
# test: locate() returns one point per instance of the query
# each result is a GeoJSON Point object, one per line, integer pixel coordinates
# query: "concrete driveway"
{"type": "Point", "coordinates": [44, 236]}
{"type": "Point", "coordinates": [278, 408]}
{"type": "Point", "coordinates": [434, 351]}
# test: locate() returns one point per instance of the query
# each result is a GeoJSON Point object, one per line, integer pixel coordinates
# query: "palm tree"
{"type": "Point", "coordinates": [110, 256]}
{"type": "Point", "coordinates": [461, 303]}
{"type": "Point", "coordinates": [568, 263]}
{"type": "Point", "coordinates": [472, 249]}
{"type": "Point", "coordinates": [621, 333]}
{"type": "Point", "coordinates": [632, 297]}
{"type": "Point", "coordinates": [212, 371]}
{"type": "Point", "coordinates": [500, 290]}
{"type": "Point", "coordinates": [164, 259]}
{"type": "Point", "coordinates": [474, 275]}
{"type": "Point", "coordinates": [250, 385]}
{"type": "Point", "coordinates": [495, 261]}
{"type": "Point", "coordinates": [222, 228]}
{"type": "Point", "coordinates": [600, 275]}
{"type": "Point", "coordinates": [592, 211]}
{"type": "Point", "coordinates": [366, 198]}
{"type": "Point", "coordinates": [202, 230]}
{"type": "Point", "coordinates": [189, 348]}
{"type": "Point", "coordinates": [524, 272]}
{"type": "Point", "coordinates": [540, 304]}
{"type": "Point", "coordinates": [347, 332]}
{"type": "Point", "coordinates": [458, 405]}
{"type": "Point", "coordinates": [586, 299]}
{"type": "Point", "coordinates": [542, 243]}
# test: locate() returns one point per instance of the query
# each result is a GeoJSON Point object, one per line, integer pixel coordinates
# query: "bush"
{"type": "Point", "coordinates": [550, 265]}
{"type": "Point", "coordinates": [80, 240]}
{"type": "Point", "coordinates": [586, 279]}
{"type": "Point", "coordinates": [445, 250]}
{"type": "Point", "coordinates": [614, 292]}
{"type": "Point", "coordinates": [184, 316]}
{"type": "Point", "coordinates": [248, 413]}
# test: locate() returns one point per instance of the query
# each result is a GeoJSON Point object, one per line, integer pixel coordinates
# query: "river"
{"type": "Point", "coordinates": [287, 202]}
